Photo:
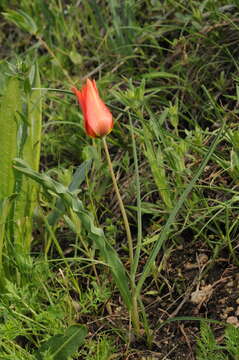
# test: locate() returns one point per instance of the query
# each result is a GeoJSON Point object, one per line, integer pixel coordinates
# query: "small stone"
{"type": "Point", "coordinates": [233, 320]}
{"type": "Point", "coordinates": [237, 311]}
{"type": "Point", "coordinates": [228, 309]}
{"type": "Point", "coordinates": [199, 296]}
{"type": "Point", "coordinates": [190, 266]}
{"type": "Point", "coordinates": [222, 301]}
{"type": "Point", "coordinates": [223, 316]}
{"type": "Point", "coordinates": [202, 259]}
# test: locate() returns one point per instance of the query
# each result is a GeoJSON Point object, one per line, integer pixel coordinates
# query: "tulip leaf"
{"type": "Point", "coordinates": [96, 234]}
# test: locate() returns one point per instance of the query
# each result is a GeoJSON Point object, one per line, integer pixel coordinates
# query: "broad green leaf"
{"type": "Point", "coordinates": [72, 202]}
{"type": "Point", "coordinates": [60, 347]}
{"type": "Point", "coordinates": [9, 118]}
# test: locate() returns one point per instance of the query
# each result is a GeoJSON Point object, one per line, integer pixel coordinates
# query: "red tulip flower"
{"type": "Point", "coordinates": [98, 119]}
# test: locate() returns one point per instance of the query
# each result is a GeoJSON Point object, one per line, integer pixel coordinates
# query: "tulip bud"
{"type": "Point", "coordinates": [98, 119]}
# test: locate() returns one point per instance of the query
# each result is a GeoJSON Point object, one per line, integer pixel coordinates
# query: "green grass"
{"type": "Point", "coordinates": [172, 71]}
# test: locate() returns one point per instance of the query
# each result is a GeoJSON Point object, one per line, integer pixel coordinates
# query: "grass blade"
{"type": "Point", "coordinates": [139, 212]}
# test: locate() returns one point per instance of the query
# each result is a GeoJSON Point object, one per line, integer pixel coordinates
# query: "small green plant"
{"type": "Point", "coordinates": [101, 349]}
{"type": "Point", "coordinates": [209, 349]}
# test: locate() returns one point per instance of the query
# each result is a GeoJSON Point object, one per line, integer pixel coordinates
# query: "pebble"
{"type": "Point", "coordinates": [233, 320]}
{"type": "Point", "coordinates": [199, 296]}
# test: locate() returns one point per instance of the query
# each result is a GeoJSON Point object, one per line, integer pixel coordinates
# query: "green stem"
{"type": "Point", "coordinates": [134, 300]}
{"type": "Point", "coordinates": [135, 312]}
{"type": "Point", "coordinates": [121, 204]}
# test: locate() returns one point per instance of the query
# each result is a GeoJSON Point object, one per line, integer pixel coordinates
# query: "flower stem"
{"type": "Point", "coordinates": [134, 300]}
{"type": "Point", "coordinates": [121, 204]}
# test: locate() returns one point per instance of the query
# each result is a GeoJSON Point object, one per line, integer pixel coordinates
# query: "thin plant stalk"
{"type": "Point", "coordinates": [120, 201]}
{"type": "Point", "coordinates": [134, 300]}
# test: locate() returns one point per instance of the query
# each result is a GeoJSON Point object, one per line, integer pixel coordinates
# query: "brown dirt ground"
{"type": "Point", "coordinates": [194, 286]}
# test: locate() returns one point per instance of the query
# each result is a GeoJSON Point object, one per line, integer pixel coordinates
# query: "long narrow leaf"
{"type": "Point", "coordinates": [139, 210]}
